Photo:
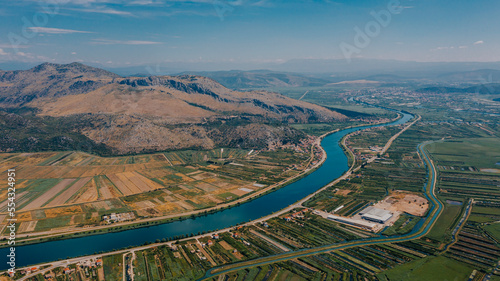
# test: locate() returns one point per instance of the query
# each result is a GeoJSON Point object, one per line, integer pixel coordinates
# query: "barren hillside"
{"type": "Point", "coordinates": [137, 114]}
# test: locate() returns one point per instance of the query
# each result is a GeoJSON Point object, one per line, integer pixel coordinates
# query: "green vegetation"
{"type": "Point", "coordinates": [48, 224]}
{"type": "Point", "coordinates": [430, 268]}
{"type": "Point", "coordinates": [494, 230]}
{"type": "Point", "coordinates": [113, 267]}
{"type": "Point", "coordinates": [403, 225]}
{"type": "Point", "coordinates": [442, 228]}
{"type": "Point", "coordinates": [480, 153]}
{"type": "Point", "coordinates": [51, 134]}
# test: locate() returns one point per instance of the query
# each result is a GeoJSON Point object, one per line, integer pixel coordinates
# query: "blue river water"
{"type": "Point", "coordinates": [334, 166]}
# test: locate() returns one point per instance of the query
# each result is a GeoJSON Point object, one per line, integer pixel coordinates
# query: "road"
{"type": "Point", "coordinates": [435, 211]}
{"type": "Point", "coordinates": [389, 143]}
{"type": "Point", "coordinates": [276, 244]}
{"type": "Point", "coordinates": [303, 95]}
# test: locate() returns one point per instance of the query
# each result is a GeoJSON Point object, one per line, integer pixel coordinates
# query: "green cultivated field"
{"type": "Point", "coordinates": [47, 224]}
{"type": "Point", "coordinates": [494, 230]}
{"type": "Point", "coordinates": [477, 152]}
{"type": "Point", "coordinates": [113, 266]}
{"type": "Point", "coordinates": [429, 269]}
{"type": "Point", "coordinates": [445, 222]}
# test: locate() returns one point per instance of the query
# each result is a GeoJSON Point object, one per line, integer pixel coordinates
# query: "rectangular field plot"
{"type": "Point", "coordinates": [120, 185]}
{"type": "Point", "coordinates": [48, 224]}
{"type": "Point", "coordinates": [87, 193]}
{"type": "Point", "coordinates": [477, 152]}
{"type": "Point", "coordinates": [44, 196]}
{"type": "Point", "coordinates": [64, 196]}
{"type": "Point", "coordinates": [241, 191]}
{"type": "Point", "coordinates": [106, 189]}
{"type": "Point", "coordinates": [206, 187]}
{"type": "Point", "coordinates": [54, 158]}
{"type": "Point", "coordinates": [62, 211]}
{"type": "Point", "coordinates": [27, 226]}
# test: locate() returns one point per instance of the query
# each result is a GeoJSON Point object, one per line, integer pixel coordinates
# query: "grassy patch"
{"type": "Point", "coordinates": [403, 225]}
{"type": "Point", "coordinates": [494, 230]}
{"type": "Point", "coordinates": [430, 268]}
{"type": "Point", "coordinates": [113, 267]}
{"type": "Point", "coordinates": [47, 224]}
{"type": "Point", "coordinates": [478, 152]}
{"type": "Point", "coordinates": [446, 220]}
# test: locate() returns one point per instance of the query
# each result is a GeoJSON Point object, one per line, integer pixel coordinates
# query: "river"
{"type": "Point", "coordinates": [333, 167]}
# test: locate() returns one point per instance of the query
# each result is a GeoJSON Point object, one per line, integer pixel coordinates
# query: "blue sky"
{"type": "Point", "coordinates": [120, 33]}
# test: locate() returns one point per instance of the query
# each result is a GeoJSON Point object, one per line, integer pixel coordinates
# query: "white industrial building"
{"type": "Point", "coordinates": [353, 222]}
{"type": "Point", "coordinates": [375, 214]}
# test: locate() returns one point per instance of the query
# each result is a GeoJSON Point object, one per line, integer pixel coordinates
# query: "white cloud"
{"type": "Point", "coordinates": [87, 2]}
{"type": "Point", "coordinates": [261, 3]}
{"type": "Point", "coordinates": [25, 55]}
{"type": "Point", "coordinates": [73, 53]}
{"type": "Point", "coordinates": [9, 46]}
{"type": "Point", "coordinates": [103, 10]}
{"type": "Point", "coordinates": [3, 53]}
{"type": "Point", "coordinates": [448, 48]}
{"type": "Point", "coordinates": [142, 2]}
{"type": "Point", "coordinates": [50, 30]}
{"type": "Point", "coordinates": [123, 42]}
{"type": "Point", "coordinates": [479, 42]}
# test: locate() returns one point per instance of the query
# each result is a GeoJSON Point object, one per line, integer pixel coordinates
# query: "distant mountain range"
{"type": "Point", "coordinates": [137, 114]}
{"type": "Point", "coordinates": [261, 79]}
{"type": "Point", "coordinates": [341, 67]}
{"type": "Point", "coordinates": [312, 72]}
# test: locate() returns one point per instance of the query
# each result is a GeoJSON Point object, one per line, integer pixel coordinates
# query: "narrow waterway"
{"type": "Point", "coordinates": [334, 166]}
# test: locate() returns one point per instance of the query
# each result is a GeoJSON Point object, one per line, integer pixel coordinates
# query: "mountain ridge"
{"type": "Point", "coordinates": [134, 114]}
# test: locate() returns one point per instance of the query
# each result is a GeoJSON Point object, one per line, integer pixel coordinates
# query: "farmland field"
{"type": "Point", "coordinates": [482, 153]}
{"type": "Point", "coordinates": [430, 268]}
{"type": "Point", "coordinates": [147, 185]}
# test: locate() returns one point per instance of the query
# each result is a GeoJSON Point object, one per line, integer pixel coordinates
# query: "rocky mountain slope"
{"type": "Point", "coordinates": [50, 80]}
{"type": "Point", "coordinates": [137, 114]}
